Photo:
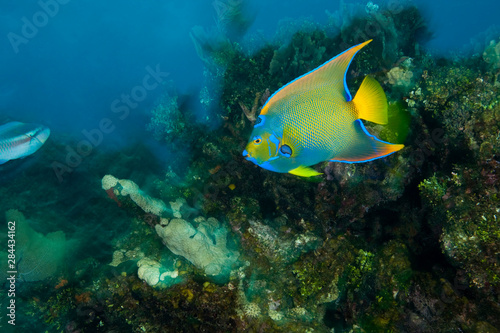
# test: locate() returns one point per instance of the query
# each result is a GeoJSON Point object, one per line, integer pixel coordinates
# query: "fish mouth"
{"type": "Point", "coordinates": [247, 157]}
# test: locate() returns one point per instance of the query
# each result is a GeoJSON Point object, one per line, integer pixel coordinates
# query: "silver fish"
{"type": "Point", "coordinates": [18, 140]}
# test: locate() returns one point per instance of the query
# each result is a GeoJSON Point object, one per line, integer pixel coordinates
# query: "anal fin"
{"type": "Point", "coordinates": [365, 147]}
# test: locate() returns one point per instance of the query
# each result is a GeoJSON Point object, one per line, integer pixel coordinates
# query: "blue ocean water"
{"type": "Point", "coordinates": [76, 64]}
{"type": "Point", "coordinates": [101, 76]}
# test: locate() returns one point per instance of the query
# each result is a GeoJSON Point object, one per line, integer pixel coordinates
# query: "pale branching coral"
{"type": "Point", "coordinates": [176, 207]}
{"type": "Point", "coordinates": [108, 182]}
{"type": "Point", "coordinates": [120, 256]}
{"type": "Point", "coordinates": [126, 187]}
{"type": "Point", "coordinates": [204, 246]}
{"type": "Point", "coordinates": [149, 271]}
{"type": "Point", "coordinates": [154, 273]}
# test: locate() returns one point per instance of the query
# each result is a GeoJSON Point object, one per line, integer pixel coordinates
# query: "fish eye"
{"type": "Point", "coordinates": [286, 150]}
{"type": "Point", "coordinates": [257, 140]}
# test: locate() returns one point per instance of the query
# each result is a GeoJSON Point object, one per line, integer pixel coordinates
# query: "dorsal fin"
{"type": "Point", "coordinates": [330, 75]}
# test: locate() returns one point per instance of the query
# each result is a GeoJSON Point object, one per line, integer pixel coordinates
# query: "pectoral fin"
{"type": "Point", "coordinates": [304, 171]}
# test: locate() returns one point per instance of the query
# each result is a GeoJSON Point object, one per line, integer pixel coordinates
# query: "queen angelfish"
{"type": "Point", "coordinates": [314, 119]}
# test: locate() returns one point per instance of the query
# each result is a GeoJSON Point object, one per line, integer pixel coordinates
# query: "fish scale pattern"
{"type": "Point", "coordinates": [313, 119]}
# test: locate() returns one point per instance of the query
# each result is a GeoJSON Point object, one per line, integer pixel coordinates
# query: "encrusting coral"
{"type": "Point", "coordinates": [153, 273]}
{"type": "Point", "coordinates": [125, 187]}
{"type": "Point", "coordinates": [205, 245]}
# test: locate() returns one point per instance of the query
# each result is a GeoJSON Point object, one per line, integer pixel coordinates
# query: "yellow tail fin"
{"type": "Point", "coordinates": [370, 101]}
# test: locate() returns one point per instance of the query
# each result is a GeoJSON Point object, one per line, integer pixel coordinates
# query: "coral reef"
{"type": "Point", "coordinates": [408, 243]}
{"type": "Point", "coordinates": [153, 273]}
{"type": "Point", "coordinates": [149, 271]}
{"type": "Point", "coordinates": [465, 204]}
{"type": "Point", "coordinates": [167, 121]}
{"type": "Point", "coordinates": [277, 247]}
{"type": "Point", "coordinates": [402, 76]}
{"type": "Point", "coordinates": [204, 246]}
{"type": "Point", "coordinates": [121, 256]}
{"type": "Point", "coordinates": [124, 187]}
{"type": "Point", "coordinates": [492, 55]}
